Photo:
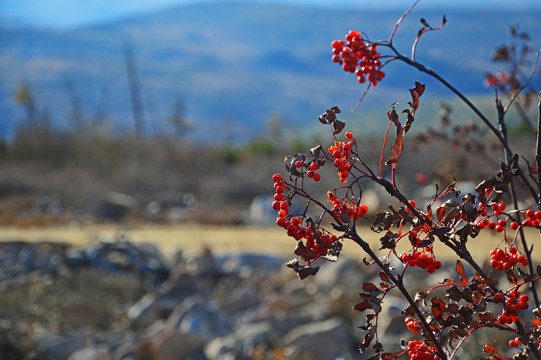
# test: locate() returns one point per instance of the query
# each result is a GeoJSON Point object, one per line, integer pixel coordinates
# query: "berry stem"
{"type": "Point", "coordinates": [487, 122]}
{"type": "Point", "coordinates": [398, 282]}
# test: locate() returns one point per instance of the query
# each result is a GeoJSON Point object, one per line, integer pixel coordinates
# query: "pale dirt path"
{"type": "Point", "coordinates": [193, 238]}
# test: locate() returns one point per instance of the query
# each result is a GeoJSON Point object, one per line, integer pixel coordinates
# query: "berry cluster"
{"type": "Point", "coordinates": [422, 260]}
{"type": "Point", "coordinates": [515, 302]}
{"type": "Point", "coordinates": [358, 57]}
{"type": "Point", "coordinates": [341, 151]}
{"type": "Point", "coordinates": [505, 260]}
{"type": "Point", "coordinates": [533, 218]}
{"type": "Point", "coordinates": [411, 324]}
{"type": "Point", "coordinates": [279, 187]}
{"type": "Point", "coordinates": [350, 208]}
{"type": "Point", "coordinates": [312, 168]}
{"type": "Point", "coordinates": [317, 242]}
{"type": "Point", "coordinates": [515, 342]}
{"type": "Point", "coordinates": [419, 350]}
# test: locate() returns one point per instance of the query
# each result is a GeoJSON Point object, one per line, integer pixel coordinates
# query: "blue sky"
{"type": "Point", "coordinates": [74, 13]}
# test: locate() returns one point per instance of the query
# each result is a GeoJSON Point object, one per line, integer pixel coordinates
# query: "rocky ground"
{"type": "Point", "coordinates": [116, 300]}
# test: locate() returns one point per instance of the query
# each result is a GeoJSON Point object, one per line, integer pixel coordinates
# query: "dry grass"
{"type": "Point", "coordinates": [193, 238]}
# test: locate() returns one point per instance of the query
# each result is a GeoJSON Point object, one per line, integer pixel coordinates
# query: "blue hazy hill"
{"type": "Point", "coordinates": [233, 65]}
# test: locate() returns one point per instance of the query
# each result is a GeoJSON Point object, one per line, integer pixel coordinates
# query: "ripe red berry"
{"type": "Point", "coordinates": [515, 225]}
{"type": "Point", "coordinates": [317, 177]}
{"type": "Point", "coordinates": [349, 135]}
{"type": "Point", "coordinates": [314, 166]}
{"type": "Point", "coordinates": [277, 177]}
{"type": "Point", "coordinates": [298, 164]}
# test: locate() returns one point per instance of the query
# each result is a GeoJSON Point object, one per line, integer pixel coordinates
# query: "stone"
{"type": "Point", "coordinates": [197, 316]}
{"type": "Point", "coordinates": [324, 340]}
{"type": "Point", "coordinates": [170, 344]}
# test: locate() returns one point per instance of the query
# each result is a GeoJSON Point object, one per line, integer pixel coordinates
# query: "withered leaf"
{"type": "Point", "coordinates": [387, 241]}
{"type": "Point", "coordinates": [487, 317]}
{"type": "Point", "coordinates": [304, 252]}
{"type": "Point", "coordinates": [362, 306]}
{"type": "Point", "coordinates": [370, 287]}
{"type": "Point", "coordinates": [316, 151]}
{"type": "Point", "coordinates": [307, 271]}
{"type": "Point", "coordinates": [454, 293]}
{"type": "Point", "coordinates": [289, 163]}
{"type": "Point", "coordinates": [527, 278]}
{"type": "Point", "coordinates": [338, 126]}
{"type": "Point", "coordinates": [512, 277]}
{"type": "Point", "coordinates": [383, 276]}
{"type": "Point", "coordinates": [416, 93]}
{"type": "Point", "coordinates": [452, 308]}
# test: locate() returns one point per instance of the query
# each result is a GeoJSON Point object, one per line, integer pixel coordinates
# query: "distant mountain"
{"type": "Point", "coordinates": [233, 65]}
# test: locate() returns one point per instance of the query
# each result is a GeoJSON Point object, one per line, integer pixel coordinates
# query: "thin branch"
{"type": "Point", "coordinates": [400, 21]}
{"type": "Point", "coordinates": [538, 152]}
{"type": "Point", "coordinates": [485, 120]}
{"type": "Point", "coordinates": [513, 98]}
{"type": "Point", "coordinates": [398, 282]}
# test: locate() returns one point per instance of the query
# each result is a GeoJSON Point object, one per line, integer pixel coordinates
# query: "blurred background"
{"type": "Point", "coordinates": [168, 114]}
{"type": "Point", "coordinates": [166, 110]}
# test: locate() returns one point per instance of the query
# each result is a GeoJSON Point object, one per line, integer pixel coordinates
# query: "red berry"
{"type": "Point", "coordinates": [420, 178]}
{"type": "Point", "coordinates": [281, 221]}
{"type": "Point", "coordinates": [276, 205]}
{"type": "Point", "coordinates": [277, 177]}
{"type": "Point", "coordinates": [515, 225]}
{"type": "Point", "coordinates": [317, 177]}
{"type": "Point", "coordinates": [298, 164]}
{"type": "Point", "coordinates": [349, 135]}
{"type": "Point", "coordinates": [314, 166]}
{"type": "Point", "coordinates": [530, 213]}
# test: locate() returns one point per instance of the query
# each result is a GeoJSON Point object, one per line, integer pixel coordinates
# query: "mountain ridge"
{"type": "Point", "coordinates": [237, 63]}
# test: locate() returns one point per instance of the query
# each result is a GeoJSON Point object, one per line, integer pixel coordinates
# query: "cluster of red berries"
{"type": "Point", "coordinates": [350, 208]}
{"type": "Point", "coordinates": [312, 168]}
{"type": "Point", "coordinates": [514, 303]}
{"type": "Point", "coordinates": [505, 260]}
{"type": "Point", "coordinates": [340, 151]}
{"type": "Point", "coordinates": [294, 226]}
{"type": "Point", "coordinates": [411, 324]}
{"type": "Point", "coordinates": [279, 187]}
{"type": "Point", "coordinates": [533, 218]}
{"type": "Point", "coordinates": [419, 350]}
{"type": "Point", "coordinates": [359, 58]}
{"type": "Point", "coordinates": [515, 342]}
{"type": "Point", "coordinates": [422, 260]}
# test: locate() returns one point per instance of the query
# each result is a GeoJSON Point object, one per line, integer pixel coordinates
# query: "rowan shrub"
{"type": "Point", "coordinates": [443, 316]}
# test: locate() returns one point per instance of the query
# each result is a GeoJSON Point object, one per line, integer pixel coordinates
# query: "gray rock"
{"type": "Point", "coordinates": [115, 206]}
{"type": "Point", "coordinates": [197, 316]}
{"type": "Point", "coordinates": [96, 352]}
{"type": "Point", "coordinates": [175, 345]}
{"type": "Point", "coordinates": [60, 347]}
{"type": "Point", "coordinates": [245, 264]}
{"type": "Point", "coordinates": [325, 340]}
{"type": "Point", "coordinates": [241, 301]}
{"type": "Point", "coordinates": [145, 311]}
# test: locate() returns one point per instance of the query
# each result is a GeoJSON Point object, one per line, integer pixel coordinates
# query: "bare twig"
{"type": "Point", "coordinates": [400, 21]}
